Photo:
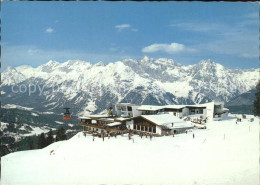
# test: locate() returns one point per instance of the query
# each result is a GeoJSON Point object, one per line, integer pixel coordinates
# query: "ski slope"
{"type": "Point", "coordinates": [225, 153]}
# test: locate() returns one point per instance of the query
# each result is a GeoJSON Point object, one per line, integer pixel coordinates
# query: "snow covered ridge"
{"type": "Point", "coordinates": [224, 153]}
{"type": "Point", "coordinates": [12, 106]}
{"type": "Point", "coordinates": [160, 81]}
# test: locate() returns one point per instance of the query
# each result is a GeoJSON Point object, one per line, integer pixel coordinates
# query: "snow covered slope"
{"type": "Point", "coordinates": [94, 87]}
{"type": "Point", "coordinates": [224, 153]}
{"type": "Point", "coordinates": [17, 123]}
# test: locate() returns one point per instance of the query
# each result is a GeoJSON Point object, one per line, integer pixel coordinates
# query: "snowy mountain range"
{"type": "Point", "coordinates": [242, 104]}
{"type": "Point", "coordinates": [92, 88]}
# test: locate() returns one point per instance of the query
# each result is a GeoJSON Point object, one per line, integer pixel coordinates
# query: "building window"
{"type": "Point", "coordinates": [146, 128]}
{"type": "Point", "coordinates": [123, 108]}
{"type": "Point", "coordinates": [129, 108]}
{"type": "Point", "coordinates": [154, 129]}
{"type": "Point", "coordinates": [150, 129]}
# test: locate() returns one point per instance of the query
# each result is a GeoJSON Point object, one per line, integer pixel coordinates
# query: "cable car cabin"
{"type": "Point", "coordinates": [67, 114]}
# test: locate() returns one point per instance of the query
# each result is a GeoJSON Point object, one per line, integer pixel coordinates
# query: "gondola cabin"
{"type": "Point", "coordinates": [67, 114]}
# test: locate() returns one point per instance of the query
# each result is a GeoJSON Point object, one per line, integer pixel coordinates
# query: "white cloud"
{"type": "Point", "coordinates": [225, 39]}
{"type": "Point", "coordinates": [121, 27]}
{"type": "Point", "coordinates": [167, 48]}
{"type": "Point", "coordinates": [247, 55]}
{"type": "Point", "coordinates": [198, 26]}
{"type": "Point", "coordinates": [113, 49]}
{"type": "Point", "coordinates": [49, 30]}
{"type": "Point", "coordinates": [134, 30]}
{"type": "Point", "coordinates": [32, 51]}
{"type": "Point", "coordinates": [35, 56]}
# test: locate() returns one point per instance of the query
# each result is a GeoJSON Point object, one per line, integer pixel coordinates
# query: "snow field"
{"type": "Point", "coordinates": [224, 153]}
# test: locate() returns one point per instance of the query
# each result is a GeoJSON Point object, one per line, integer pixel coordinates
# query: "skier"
{"type": "Point", "coordinates": [93, 138]}
{"type": "Point", "coordinates": [193, 135]}
{"type": "Point", "coordinates": [151, 137]}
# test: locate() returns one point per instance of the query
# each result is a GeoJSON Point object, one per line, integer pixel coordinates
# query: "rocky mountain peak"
{"type": "Point", "coordinates": [150, 81]}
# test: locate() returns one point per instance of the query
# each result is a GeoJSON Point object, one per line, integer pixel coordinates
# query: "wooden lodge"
{"type": "Point", "coordinates": [160, 124]}
{"type": "Point", "coordinates": [151, 119]}
{"type": "Point", "coordinates": [103, 125]}
{"type": "Point", "coordinates": [144, 125]}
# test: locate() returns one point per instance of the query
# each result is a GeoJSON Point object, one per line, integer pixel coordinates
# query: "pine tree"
{"type": "Point", "coordinates": [42, 141]}
{"type": "Point", "coordinates": [57, 135]}
{"type": "Point", "coordinates": [50, 138]}
{"type": "Point", "coordinates": [31, 144]}
{"type": "Point", "coordinates": [256, 109]}
{"type": "Point", "coordinates": [61, 134]}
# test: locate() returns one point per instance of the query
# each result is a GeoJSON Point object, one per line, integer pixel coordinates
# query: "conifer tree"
{"type": "Point", "coordinates": [42, 141]}
{"type": "Point", "coordinates": [256, 109]}
{"type": "Point", "coordinates": [31, 144]}
{"type": "Point", "coordinates": [50, 138]}
{"type": "Point", "coordinates": [61, 134]}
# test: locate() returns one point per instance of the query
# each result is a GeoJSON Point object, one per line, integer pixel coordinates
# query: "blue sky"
{"type": "Point", "coordinates": [36, 32]}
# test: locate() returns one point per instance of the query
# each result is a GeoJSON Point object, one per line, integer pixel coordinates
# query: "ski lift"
{"type": "Point", "coordinates": [67, 114]}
